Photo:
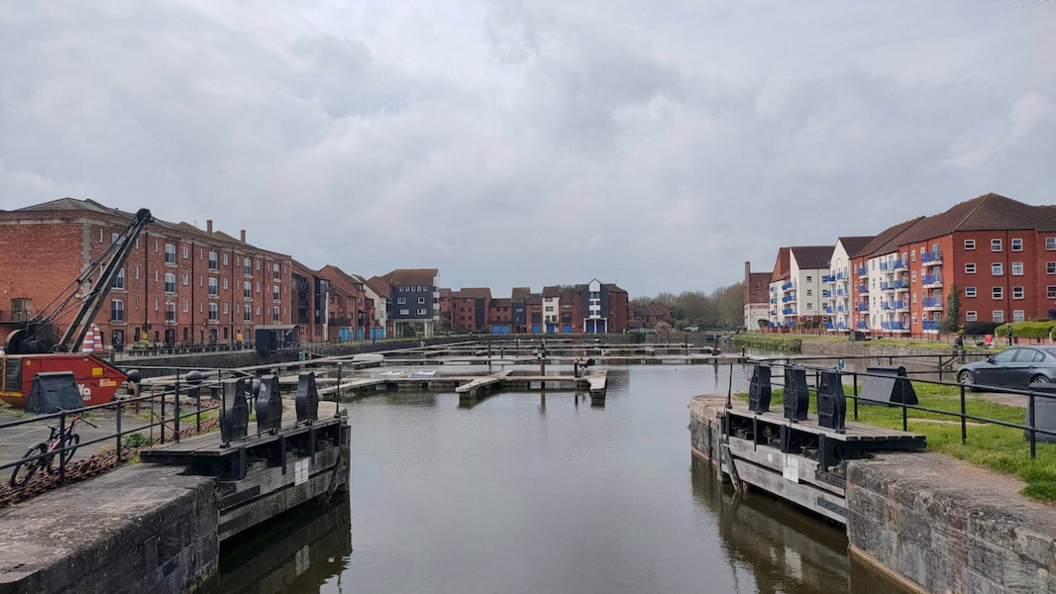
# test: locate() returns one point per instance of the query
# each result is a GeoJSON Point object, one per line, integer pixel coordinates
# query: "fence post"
{"type": "Point", "coordinates": [1033, 438]}
{"type": "Point", "coordinates": [62, 448]}
{"type": "Point", "coordinates": [905, 420]}
{"type": "Point", "coordinates": [940, 368]}
{"type": "Point", "coordinates": [337, 398]}
{"type": "Point", "coordinates": [117, 446]}
{"type": "Point", "coordinates": [161, 423]}
{"type": "Point", "coordinates": [964, 421]}
{"type": "Point", "coordinates": [176, 421]}
{"type": "Point", "coordinates": [855, 375]}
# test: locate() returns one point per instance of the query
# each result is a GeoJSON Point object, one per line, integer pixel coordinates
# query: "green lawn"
{"type": "Point", "coordinates": [999, 448]}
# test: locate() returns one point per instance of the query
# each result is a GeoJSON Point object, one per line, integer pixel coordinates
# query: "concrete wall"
{"type": "Point", "coordinates": [942, 525]}
{"type": "Point", "coordinates": [136, 529]}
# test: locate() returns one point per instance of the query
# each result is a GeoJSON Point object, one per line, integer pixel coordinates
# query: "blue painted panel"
{"type": "Point", "coordinates": [536, 329]}
{"type": "Point", "coordinates": [505, 329]}
{"type": "Point", "coordinates": [567, 329]}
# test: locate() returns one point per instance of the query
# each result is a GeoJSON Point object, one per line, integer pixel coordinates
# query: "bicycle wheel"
{"type": "Point", "coordinates": [51, 463]}
{"type": "Point", "coordinates": [25, 470]}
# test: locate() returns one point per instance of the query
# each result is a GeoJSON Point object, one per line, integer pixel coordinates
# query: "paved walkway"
{"type": "Point", "coordinates": [17, 440]}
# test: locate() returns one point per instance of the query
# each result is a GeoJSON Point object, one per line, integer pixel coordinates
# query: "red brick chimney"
{"type": "Point", "coordinates": [243, 236]}
{"type": "Point", "coordinates": [209, 225]}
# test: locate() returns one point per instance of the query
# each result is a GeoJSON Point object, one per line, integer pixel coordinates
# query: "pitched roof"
{"type": "Point", "coordinates": [535, 299]}
{"type": "Point", "coordinates": [613, 288]}
{"type": "Point", "coordinates": [500, 302]}
{"type": "Point", "coordinates": [853, 244]}
{"type": "Point", "coordinates": [886, 241]}
{"type": "Point", "coordinates": [989, 212]}
{"type": "Point", "coordinates": [380, 287]}
{"type": "Point", "coordinates": [411, 276]}
{"type": "Point", "coordinates": [552, 291]}
{"type": "Point", "coordinates": [520, 293]}
{"type": "Point", "coordinates": [812, 256]}
{"type": "Point", "coordinates": [781, 265]}
{"type": "Point", "coordinates": [472, 293]}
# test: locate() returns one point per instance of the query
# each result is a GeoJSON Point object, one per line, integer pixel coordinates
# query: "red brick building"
{"type": "Point", "coordinates": [469, 309]}
{"type": "Point", "coordinates": [350, 313]}
{"type": "Point", "coordinates": [180, 284]}
{"type": "Point", "coordinates": [655, 313]}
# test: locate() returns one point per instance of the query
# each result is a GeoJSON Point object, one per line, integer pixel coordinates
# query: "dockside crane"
{"type": "Point", "coordinates": [85, 296]}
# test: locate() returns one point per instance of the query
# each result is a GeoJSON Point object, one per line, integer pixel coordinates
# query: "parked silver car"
{"type": "Point", "coordinates": [1017, 367]}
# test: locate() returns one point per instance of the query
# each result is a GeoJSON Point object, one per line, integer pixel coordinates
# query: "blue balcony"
{"type": "Point", "coordinates": [931, 279]}
{"type": "Point", "coordinates": [863, 307]}
{"type": "Point", "coordinates": [886, 286]}
{"type": "Point", "coordinates": [897, 264]}
{"type": "Point", "coordinates": [788, 312]}
{"type": "Point", "coordinates": [861, 326]}
{"type": "Point", "coordinates": [883, 265]}
{"type": "Point", "coordinates": [896, 325]}
{"type": "Point", "coordinates": [840, 293]}
{"type": "Point", "coordinates": [901, 305]}
{"type": "Point", "coordinates": [828, 278]}
{"type": "Point", "coordinates": [840, 309]}
{"type": "Point", "coordinates": [932, 257]}
{"type": "Point", "coordinates": [863, 289]}
{"type": "Point", "coordinates": [840, 276]}
{"type": "Point", "coordinates": [773, 300]}
{"type": "Point", "coordinates": [773, 289]}
{"type": "Point", "coordinates": [786, 286]}
{"type": "Point", "coordinates": [932, 325]}
{"type": "Point", "coordinates": [827, 309]}
{"type": "Point", "coordinates": [829, 326]}
{"type": "Point", "coordinates": [863, 271]}
{"type": "Point", "coordinates": [826, 293]}
{"type": "Point", "coordinates": [933, 302]}
{"type": "Point", "coordinates": [787, 298]}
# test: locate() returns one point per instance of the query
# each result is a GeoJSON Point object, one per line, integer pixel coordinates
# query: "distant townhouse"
{"type": "Point", "coordinates": [469, 309]}
{"type": "Point", "coordinates": [499, 316]}
{"type": "Point", "coordinates": [571, 311]}
{"type": "Point", "coordinates": [309, 299]}
{"type": "Point", "coordinates": [837, 294]}
{"type": "Point", "coordinates": [649, 316]}
{"type": "Point", "coordinates": [378, 294]}
{"type": "Point", "coordinates": [795, 287]}
{"type": "Point", "coordinates": [756, 297]}
{"type": "Point", "coordinates": [350, 311]}
{"type": "Point", "coordinates": [552, 309]}
{"type": "Point", "coordinates": [603, 307]}
{"type": "Point", "coordinates": [416, 295]}
{"type": "Point", "coordinates": [519, 310]}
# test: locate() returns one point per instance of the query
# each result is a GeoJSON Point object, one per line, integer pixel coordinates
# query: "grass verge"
{"type": "Point", "coordinates": [1002, 449]}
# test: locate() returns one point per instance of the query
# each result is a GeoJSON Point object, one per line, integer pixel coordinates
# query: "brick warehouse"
{"type": "Point", "coordinates": [180, 284]}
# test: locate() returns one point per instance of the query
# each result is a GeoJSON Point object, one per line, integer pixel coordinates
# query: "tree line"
{"type": "Point", "coordinates": [722, 308]}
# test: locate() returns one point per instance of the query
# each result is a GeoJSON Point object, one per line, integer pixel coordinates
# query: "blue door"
{"type": "Point", "coordinates": [505, 329]}
{"type": "Point", "coordinates": [549, 328]}
{"type": "Point", "coordinates": [343, 334]}
{"type": "Point", "coordinates": [494, 329]}
{"type": "Point", "coordinates": [536, 329]}
{"type": "Point", "coordinates": [567, 329]}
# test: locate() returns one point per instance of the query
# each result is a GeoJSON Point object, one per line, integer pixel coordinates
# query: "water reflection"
{"type": "Point", "coordinates": [299, 552]}
{"type": "Point", "coordinates": [784, 549]}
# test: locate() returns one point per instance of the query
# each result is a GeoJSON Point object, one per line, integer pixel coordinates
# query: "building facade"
{"type": "Point", "coordinates": [756, 297]}
{"type": "Point", "coordinates": [796, 285]}
{"type": "Point", "coordinates": [416, 300]}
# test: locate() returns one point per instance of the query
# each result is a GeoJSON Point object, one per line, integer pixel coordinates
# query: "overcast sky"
{"type": "Point", "coordinates": [655, 143]}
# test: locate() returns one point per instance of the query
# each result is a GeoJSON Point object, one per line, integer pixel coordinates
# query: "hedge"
{"type": "Point", "coordinates": [1027, 329]}
{"type": "Point", "coordinates": [980, 328]}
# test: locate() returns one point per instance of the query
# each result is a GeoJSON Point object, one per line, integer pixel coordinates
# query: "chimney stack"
{"type": "Point", "coordinates": [243, 236]}
{"type": "Point", "coordinates": [209, 225]}
{"type": "Point", "coordinates": [748, 273]}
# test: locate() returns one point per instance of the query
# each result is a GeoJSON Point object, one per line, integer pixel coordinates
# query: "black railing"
{"type": "Point", "coordinates": [1030, 427]}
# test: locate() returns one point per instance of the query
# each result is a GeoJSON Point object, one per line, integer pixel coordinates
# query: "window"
{"type": "Point", "coordinates": [170, 253]}
{"type": "Point", "coordinates": [969, 291]}
{"type": "Point", "coordinates": [998, 292]}
{"type": "Point", "coordinates": [1017, 292]}
{"type": "Point", "coordinates": [170, 282]}
{"type": "Point", "coordinates": [137, 304]}
{"type": "Point", "coordinates": [1017, 315]}
{"type": "Point", "coordinates": [914, 318]}
{"type": "Point", "coordinates": [969, 268]}
{"type": "Point", "coordinates": [421, 312]}
{"type": "Point", "coordinates": [119, 281]}
{"type": "Point", "coordinates": [258, 264]}
{"type": "Point", "coordinates": [225, 284]}
{"type": "Point", "coordinates": [1050, 243]}
{"type": "Point", "coordinates": [995, 245]}
{"type": "Point", "coordinates": [137, 271]}
{"type": "Point", "coordinates": [213, 312]}
{"type": "Point", "coordinates": [258, 286]}
{"type": "Point", "coordinates": [970, 316]}
{"type": "Point", "coordinates": [247, 267]}
{"type": "Point", "coordinates": [214, 287]}
{"type": "Point", "coordinates": [275, 272]}
{"type": "Point", "coordinates": [421, 300]}
{"type": "Point", "coordinates": [186, 306]}
{"type": "Point", "coordinates": [969, 244]}
{"type": "Point", "coordinates": [117, 310]}
{"type": "Point", "coordinates": [247, 290]}
{"type": "Point", "coordinates": [170, 312]}
{"type": "Point", "coordinates": [914, 276]}
{"type": "Point", "coordinates": [810, 279]}
{"type": "Point", "coordinates": [914, 297]}
{"type": "Point", "coordinates": [999, 316]}
{"type": "Point", "coordinates": [1050, 268]}
{"type": "Point", "coordinates": [186, 279]}
{"type": "Point", "coordinates": [155, 275]}
{"type": "Point", "coordinates": [247, 315]}
{"type": "Point", "coordinates": [1017, 269]}
{"type": "Point", "coordinates": [405, 312]}
{"type": "Point", "coordinates": [275, 315]}
{"type": "Point", "coordinates": [225, 259]}
{"type": "Point", "coordinates": [225, 309]}
{"type": "Point", "coordinates": [401, 300]}
{"type": "Point", "coordinates": [1017, 246]}
{"type": "Point", "coordinates": [156, 304]}
{"type": "Point", "coordinates": [1050, 292]}
{"type": "Point", "coordinates": [257, 310]}
{"type": "Point", "coordinates": [809, 292]}
{"type": "Point", "coordinates": [275, 292]}
{"type": "Point", "coordinates": [913, 256]}
{"type": "Point", "coordinates": [997, 269]}
{"type": "Point", "coordinates": [1008, 355]}
{"type": "Point", "coordinates": [213, 263]}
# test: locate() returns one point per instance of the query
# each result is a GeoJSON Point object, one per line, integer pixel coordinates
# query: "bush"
{"type": "Point", "coordinates": [980, 328]}
{"type": "Point", "coordinates": [1027, 329]}
{"type": "Point", "coordinates": [135, 440]}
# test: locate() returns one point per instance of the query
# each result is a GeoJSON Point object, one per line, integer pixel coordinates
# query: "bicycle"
{"type": "Point", "coordinates": [61, 437]}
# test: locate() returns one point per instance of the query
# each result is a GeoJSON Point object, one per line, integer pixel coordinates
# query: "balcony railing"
{"type": "Point", "coordinates": [828, 309]}
{"type": "Point", "coordinates": [863, 307]}
{"type": "Point", "coordinates": [897, 264]}
{"type": "Point", "coordinates": [932, 257]}
{"type": "Point", "coordinates": [861, 326]}
{"type": "Point", "coordinates": [931, 325]}
{"type": "Point", "coordinates": [841, 293]}
{"type": "Point", "coordinates": [901, 305]}
{"type": "Point", "coordinates": [931, 279]}
{"type": "Point", "coordinates": [787, 299]}
{"type": "Point", "coordinates": [933, 302]}
{"type": "Point", "coordinates": [788, 312]}
{"type": "Point", "coordinates": [840, 275]}
{"type": "Point", "coordinates": [787, 286]}
{"type": "Point", "coordinates": [894, 325]}
{"type": "Point", "coordinates": [887, 286]}
{"type": "Point", "coordinates": [826, 293]}
{"type": "Point", "coordinates": [863, 289]}
{"type": "Point", "coordinates": [863, 271]}
{"type": "Point", "coordinates": [828, 278]}
{"type": "Point", "coordinates": [772, 300]}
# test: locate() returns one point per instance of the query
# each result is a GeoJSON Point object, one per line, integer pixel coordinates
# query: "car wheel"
{"type": "Point", "coordinates": [1039, 379]}
{"type": "Point", "coordinates": [966, 378]}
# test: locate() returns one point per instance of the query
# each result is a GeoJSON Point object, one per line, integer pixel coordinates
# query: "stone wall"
{"type": "Point", "coordinates": [137, 529]}
{"type": "Point", "coordinates": [943, 525]}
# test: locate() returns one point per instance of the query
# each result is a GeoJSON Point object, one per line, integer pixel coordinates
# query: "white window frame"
{"type": "Point", "coordinates": [1050, 243]}
{"type": "Point", "coordinates": [117, 305]}
{"type": "Point", "coordinates": [970, 292]}
{"type": "Point", "coordinates": [1016, 244]}
{"type": "Point", "coordinates": [1050, 292]}
{"type": "Point", "coordinates": [421, 311]}
{"type": "Point", "coordinates": [998, 315]}
{"type": "Point", "coordinates": [971, 316]}
{"type": "Point", "coordinates": [997, 269]}
{"type": "Point", "coordinates": [1017, 266]}
{"type": "Point", "coordinates": [997, 293]}
{"type": "Point", "coordinates": [995, 245]}
{"type": "Point", "coordinates": [969, 268]}
{"type": "Point", "coordinates": [1018, 315]}
{"type": "Point", "coordinates": [969, 244]}
{"type": "Point", "coordinates": [1021, 290]}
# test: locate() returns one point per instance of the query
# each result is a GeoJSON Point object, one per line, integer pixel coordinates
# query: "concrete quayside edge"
{"type": "Point", "coordinates": [934, 523]}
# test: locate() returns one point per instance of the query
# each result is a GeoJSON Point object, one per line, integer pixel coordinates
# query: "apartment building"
{"type": "Point", "coordinates": [469, 309]}
{"type": "Point", "coordinates": [837, 294]}
{"type": "Point", "coordinates": [603, 307]}
{"type": "Point", "coordinates": [415, 293]}
{"type": "Point", "coordinates": [551, 309]}
{"type": "Point", "coordinates": [180, 284]}
{"type": "Point", "coordinates": [652, 315]}
{"type": "Point", "coordinates": [350, 312]}
{"type": "Point", "coordinates": [796, 285]}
